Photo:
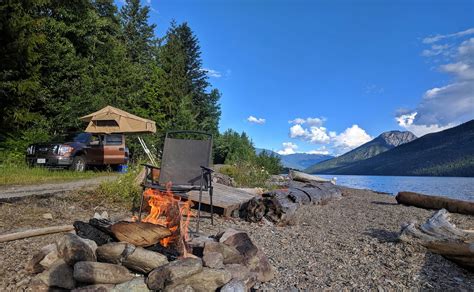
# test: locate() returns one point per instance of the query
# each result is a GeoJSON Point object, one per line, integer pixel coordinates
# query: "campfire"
{"type": "Point", "coordinates": [168, 211]}
{"type": "Point", "coordinates": [155, 252]}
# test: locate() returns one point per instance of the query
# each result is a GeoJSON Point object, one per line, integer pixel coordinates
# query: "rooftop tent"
{"type": "Point", "coordinates": [113, 120]}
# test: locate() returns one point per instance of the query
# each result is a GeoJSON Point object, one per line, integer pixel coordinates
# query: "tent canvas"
{"type": "Point", "coordinates": [113, 120]}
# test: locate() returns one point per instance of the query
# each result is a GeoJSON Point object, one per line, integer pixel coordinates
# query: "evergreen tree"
{"type": "Point", "coordinates": [138, 35]}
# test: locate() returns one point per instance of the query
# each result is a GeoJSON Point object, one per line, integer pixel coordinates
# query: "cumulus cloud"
{"type": "Point", "coordinates": [445, 106]}
{"type": "Point", "coordinates": [254, 120]}
{"type": "Point", "coordinates": [350, 138]}
{"type": "Point", "coordinates": [288, 148]}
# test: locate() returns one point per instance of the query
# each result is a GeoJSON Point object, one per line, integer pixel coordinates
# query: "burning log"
{"type": "Point", "coordinates": [442, 237]}
{"type": "Point", "coordinates": [139, 233]}
{"type": "Point", "coordinates": [435, 202]}
{"type": "Point", "coordinates": [88, 231]}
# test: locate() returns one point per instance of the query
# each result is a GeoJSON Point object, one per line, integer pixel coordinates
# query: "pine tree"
{"type": "Point", "coordinates": [138, 35]}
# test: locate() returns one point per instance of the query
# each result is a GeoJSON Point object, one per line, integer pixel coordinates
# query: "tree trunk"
{"type": "Point", "coordinates": [435, 202]}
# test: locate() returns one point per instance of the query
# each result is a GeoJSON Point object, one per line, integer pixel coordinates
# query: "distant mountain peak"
{"type": "Point", "coordinates": [397, 138]}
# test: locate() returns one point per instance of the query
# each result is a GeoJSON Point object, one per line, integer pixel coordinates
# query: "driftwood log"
{"type": "Point", "coordinates": [35, 232]}
{"type": "Point", "coordinates": [442, 237]}
{"type": "Point", "coordinates": [139, 233]}
{"type": "Point", "coordinates": [280, 206]}
{"type": "Point", "coordinates": [305, 177]}
{"type": "Point", "coordinates": [435, 202]}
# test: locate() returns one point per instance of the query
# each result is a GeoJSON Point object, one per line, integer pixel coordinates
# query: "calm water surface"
{"type": "Point", "coordinates": [454, 187]}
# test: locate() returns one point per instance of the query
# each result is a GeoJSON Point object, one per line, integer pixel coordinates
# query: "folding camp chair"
{"type": "Point", "coordinates": [184, 163]}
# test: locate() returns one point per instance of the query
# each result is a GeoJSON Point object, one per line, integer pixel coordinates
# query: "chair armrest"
{"type": "Point", "coordinates": [206, 169]}
{"type": "Point", "coordinates": [150, 166]}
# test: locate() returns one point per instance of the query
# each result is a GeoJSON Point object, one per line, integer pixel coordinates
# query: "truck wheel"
{"type": "Point", "coordinates": [78, 164]}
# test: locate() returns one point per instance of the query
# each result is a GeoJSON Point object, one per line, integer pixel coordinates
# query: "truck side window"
{"type": "Point", "coordinates": [113, 139]}
{"type": "Point", "coordinates": [95, 140]}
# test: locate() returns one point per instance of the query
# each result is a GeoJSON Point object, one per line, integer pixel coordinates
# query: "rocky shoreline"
{"type": "Point", "coordinates": [349, 243]}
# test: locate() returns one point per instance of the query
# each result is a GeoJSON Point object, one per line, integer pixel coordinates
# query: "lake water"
{"type": "Point", "coordinates": [454, 187]}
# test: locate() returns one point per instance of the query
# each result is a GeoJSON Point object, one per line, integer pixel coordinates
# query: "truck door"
{"type": "Point", "coordinates": [114, 149]}
{"type": "Point", "coordinates": [95, 150]}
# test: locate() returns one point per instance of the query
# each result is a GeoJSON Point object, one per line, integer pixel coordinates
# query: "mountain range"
{"type": "Point", "coordinates": [446, 153]}
{"type": "Point", "coordinates": [298, 161]}
{"type": "Point", "coordinates": [382, 143]}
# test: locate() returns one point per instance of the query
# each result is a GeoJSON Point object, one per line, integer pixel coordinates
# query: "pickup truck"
{"type": "Point", "coordinates": [79, 151]}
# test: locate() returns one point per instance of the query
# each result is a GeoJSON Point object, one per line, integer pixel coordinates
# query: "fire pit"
{"type": "Point", "coordinates": [157, 252]}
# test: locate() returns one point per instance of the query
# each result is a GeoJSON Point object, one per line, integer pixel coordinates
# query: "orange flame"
{"type": "Point", "coordinates": [169, 211]}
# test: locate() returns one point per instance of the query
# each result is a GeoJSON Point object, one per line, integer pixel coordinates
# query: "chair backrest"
{"type": "Point", "coordinates": [182, 159]}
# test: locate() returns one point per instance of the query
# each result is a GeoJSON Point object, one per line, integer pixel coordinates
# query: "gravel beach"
{"type": "Point", "coordinates": [350, 243]}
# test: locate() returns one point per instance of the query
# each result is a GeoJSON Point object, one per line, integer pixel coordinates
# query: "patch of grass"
{"type": "Point", "coordinates": [21, 174]}
{"type": "Point", "coordinates": [124, 189]}
{"type": "Point", "coordinates": [247, 174]}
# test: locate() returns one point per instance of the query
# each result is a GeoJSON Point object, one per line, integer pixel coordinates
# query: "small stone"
{"type": "Point", "coordinates": [101, 273]}
{"type": "Point", "coordinates": [47, 216]}
{"type": "Point", "coordinates": [234, 286]}
{"type": "Point", "coordinates": [50, 259]}
{"type": "Point", "coordinates": [33, 266]}
{"type": "Point", "coordinates": [230, 254]}
{"type": "Point", "coordinates": [58, 275]}
{"type": "Point", "coordinates": [73, 249]}
{"type": "Point", "coordinates": [213, 260]}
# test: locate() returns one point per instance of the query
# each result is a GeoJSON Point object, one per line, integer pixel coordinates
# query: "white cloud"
{"type": "Point", "coordinates": [351, 138]}
{"type": "Point", "coordinates": [255, 120]}
{"type": "Point", "coordinates": [288, 148]}
{"type": "Point", "coordinates": [297, 131]}
{"type": "Point", "coordinates": [436, 38]}
{"type": "Point", "coordinates": [212, 73]}
{"type": "Point", "coordinates": [322, 151]}
{"type": "Point", "coordinates": [444, 106]}
{"type": "Point", "coordinates": [317, 122]}
{"type": "Point", "coordinates": [406, 121]}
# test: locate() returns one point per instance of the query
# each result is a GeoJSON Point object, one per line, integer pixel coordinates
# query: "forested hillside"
{"type": "Point", "coordinates": [446, 153]}
{"type": "Point", "coordinates": [382, 143]}
{"type": "Point", "coordinates": [61, 60]}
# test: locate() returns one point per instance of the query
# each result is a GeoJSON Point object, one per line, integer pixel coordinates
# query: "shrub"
{"type": "Point", "coordinates": [247, 174]}
{"type": "Point", "coordinates": [123, 189]}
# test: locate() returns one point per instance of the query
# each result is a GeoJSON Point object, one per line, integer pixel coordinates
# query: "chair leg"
{"type": "Point", "coordinates": [141, 206]}
{"type": "Point", "coordinates": [199, 204]}
{"type": "Point", "coordinates": [211, 190]}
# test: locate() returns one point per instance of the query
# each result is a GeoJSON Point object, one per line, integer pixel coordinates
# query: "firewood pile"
{"type": "Point", "coordinates": [129, 256]}
{"type": "Point", "coordinates": [280, 206]}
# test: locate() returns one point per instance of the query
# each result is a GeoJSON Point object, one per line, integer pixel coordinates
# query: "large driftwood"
{"type": "Point", "coordinates": [280, 206]}
{"type": "Point", "coordinates": [305, 177]}
{"type": "Point", "coordinates": [440, 236]}
{"type": "Point", "coordinates": [35, 232]}
{"type": "Point", "coordinates": [139, 233]}
{"type": "Point", "coordinates": [435, 202]}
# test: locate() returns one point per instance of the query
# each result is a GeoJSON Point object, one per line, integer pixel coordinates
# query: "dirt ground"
{"type": "Point", "coordinates": [350, 243]}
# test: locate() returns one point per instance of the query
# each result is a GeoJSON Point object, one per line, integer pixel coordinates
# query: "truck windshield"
{"type": "Point", "coordinates": [82, 138]}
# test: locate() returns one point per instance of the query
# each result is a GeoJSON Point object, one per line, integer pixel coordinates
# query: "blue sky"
{"type": "Point", "coordinates": [354, 68]}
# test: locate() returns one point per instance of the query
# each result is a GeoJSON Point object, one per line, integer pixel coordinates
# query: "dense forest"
{"type": "Point", "coordinates": [61, 60]}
